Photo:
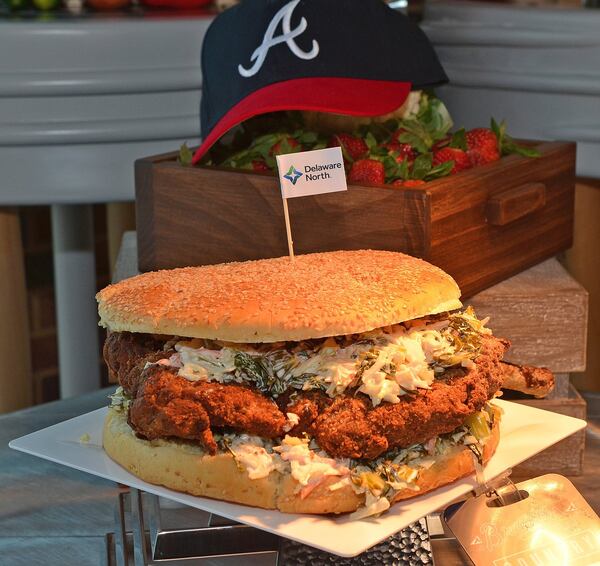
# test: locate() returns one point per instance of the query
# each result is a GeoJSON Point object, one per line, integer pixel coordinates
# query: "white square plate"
{"type": "Point", "coordinates": [524, 431]}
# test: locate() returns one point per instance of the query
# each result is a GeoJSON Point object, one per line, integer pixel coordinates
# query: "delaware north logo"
{"type": "Point", "coordinates": [292, 175]}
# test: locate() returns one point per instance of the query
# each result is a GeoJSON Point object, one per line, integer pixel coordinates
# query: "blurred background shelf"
{"type": "Point", "coordinates": [80, 99]}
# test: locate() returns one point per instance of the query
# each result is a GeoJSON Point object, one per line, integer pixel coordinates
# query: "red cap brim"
{"type": "Point", "coordinates": [355, 97]}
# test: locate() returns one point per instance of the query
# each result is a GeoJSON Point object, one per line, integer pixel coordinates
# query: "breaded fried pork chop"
{"type": "Point", "coordinates": [166, 405]}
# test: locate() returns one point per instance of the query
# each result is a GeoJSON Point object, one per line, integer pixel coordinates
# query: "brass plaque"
{"type": "Point", "coordinates": [552, 525]}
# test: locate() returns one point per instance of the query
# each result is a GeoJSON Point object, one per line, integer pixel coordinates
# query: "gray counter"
{"type": "Point", "coordinates": [51, 514]}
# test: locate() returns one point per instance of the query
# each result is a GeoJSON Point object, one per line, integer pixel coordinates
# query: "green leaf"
{"type": "Point", "coordinates": [391, 167]}
{"type": "Point", "coordinates": [511, 147]}
{"type": "Point", "coordinates": [435, 118]}
{"type": "Point", "coordinates": [347, 157]}
{"type": "Point", "coordinates": [403, 170]}
{"type": "Point", "coordinates": [424, 104]}
{"type": "Point", "coordinates": [380, 151]}
{"type": "Point", "coordinates": [443, 120]}
{"type": "Point", "coordinates": [267, 139]}
{"type": "Point", "coordinates": [286, 147]}
{"type": "Point", "coordinates": [441, 170]}
{"type": "Point", "coordinates": [414, 127]}
{"type": "Point", "coordinates": [421, 166]}
{"type": "Point", "coordinates": [241, 158]}
{"type": "Point", "coordinates": [499, 130]}
{"type": "Point", "coordinates": [307, 137]}
{"type": "Point", "coordinates": [380, 131]}
{"type": "Point", "coordinates": [415, 141]}
{"type": "Point", "coordinates": [426, 130]}
{"type": "Point", "coordinates": [185, 155]}
{"type": "Point", "coordinates": [264, 144]}
{"type": "Point", "coordinates": [243, 165]}
{"type": "Point", "coordinates": [507, 145]}
{"type": "Point", "coordinates": [459, 139]}
{"type": "Point", "coordinates": [370, 141]}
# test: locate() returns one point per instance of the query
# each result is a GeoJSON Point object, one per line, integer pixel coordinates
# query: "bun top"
{"type": "Point", "coordinates": [272, 300]}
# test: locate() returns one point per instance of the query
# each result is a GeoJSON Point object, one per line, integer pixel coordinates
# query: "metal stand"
{"type": "Point", "coordinates": [500, 491]}
{"type": "Point", "coordinates": [151, 531]}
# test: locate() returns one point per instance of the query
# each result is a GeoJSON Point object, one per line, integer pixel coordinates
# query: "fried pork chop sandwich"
{"type": "Point", "coordinates": [340, 382]}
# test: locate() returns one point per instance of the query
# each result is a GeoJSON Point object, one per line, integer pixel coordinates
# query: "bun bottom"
{"type": "Point", "coordinates": [190, 469]}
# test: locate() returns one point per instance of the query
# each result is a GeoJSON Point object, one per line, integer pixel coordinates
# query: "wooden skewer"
{"type": "Point", "coordinates": [288, 229]}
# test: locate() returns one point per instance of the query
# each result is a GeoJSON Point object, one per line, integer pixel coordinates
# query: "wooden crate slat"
{"type": "Point", "coordinates": [544, 312]}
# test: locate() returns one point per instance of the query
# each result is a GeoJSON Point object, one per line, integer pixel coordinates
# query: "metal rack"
{"type": "Point", "coordinates": [151, 531]}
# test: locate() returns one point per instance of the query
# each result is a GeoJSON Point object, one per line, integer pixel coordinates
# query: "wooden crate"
{"type": "Point", "coordinates": [566, 457]}
{"type": "Point", "coordinates": [481, 226]}
{"type": "Point", "coordinates": [543, 311]}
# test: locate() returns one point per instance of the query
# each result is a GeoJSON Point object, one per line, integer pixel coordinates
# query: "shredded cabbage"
{"type": "Point", "coordinates": [384, 363]}
{"type": "Point", "coordinates": [120, 400]}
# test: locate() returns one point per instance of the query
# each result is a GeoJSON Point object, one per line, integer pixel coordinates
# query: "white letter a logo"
{"type": "Point", "coordinates": [269, 40]}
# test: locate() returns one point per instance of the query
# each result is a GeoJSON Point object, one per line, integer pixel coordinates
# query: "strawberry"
{"type": "Point", "coordinates": [402, 149]}
{"type": "Point", "coordinates": [286, 145]}
{"type": "Point", "coordinates": [413, 183]}
{"type": "Point", "coordinates": [460, 158]}
{"type": "Point", "coordinates": [353, 146]}
{"type": "Point", "coordinates": [367, 171]}
{"type": "Point", "coordinates": [408, 183]}
{"type": "Point", "coordinates": [482, 146]}
{"type": "Point", "coordinates": [260, 165]}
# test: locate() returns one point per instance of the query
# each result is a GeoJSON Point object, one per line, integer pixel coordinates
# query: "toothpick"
{"type": "Point", "coordinates": [288, 229]}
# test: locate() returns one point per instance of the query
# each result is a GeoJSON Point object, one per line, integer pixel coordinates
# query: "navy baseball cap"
{"type": "Point", "coordinates": [355, 57]}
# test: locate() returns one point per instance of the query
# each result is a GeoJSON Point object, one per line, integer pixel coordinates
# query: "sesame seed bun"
{"type": "Point", "coordinates": [272, 300]}
{"type": "Point", "coordinates": [190, 469]}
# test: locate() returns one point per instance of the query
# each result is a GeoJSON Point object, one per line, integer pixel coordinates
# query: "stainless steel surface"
{"type": "Point", "coordinates": [150, 530]}
{"type": "Point", "coordinates": [552, 524]}
{"type": "Point", "coordinates": [203, 534]}
{"type": "Point", "coordinates": [147, 535]}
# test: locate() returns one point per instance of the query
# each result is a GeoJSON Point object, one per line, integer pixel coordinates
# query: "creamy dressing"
{"type": "Point", "coordinates": [307, 466]}
{"type": "Point", "coordinates": [198, 363]}
{"type": "Point", "coordinates": [403, 365]}
{"type": "Point", "coordinates": [251, 453]}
